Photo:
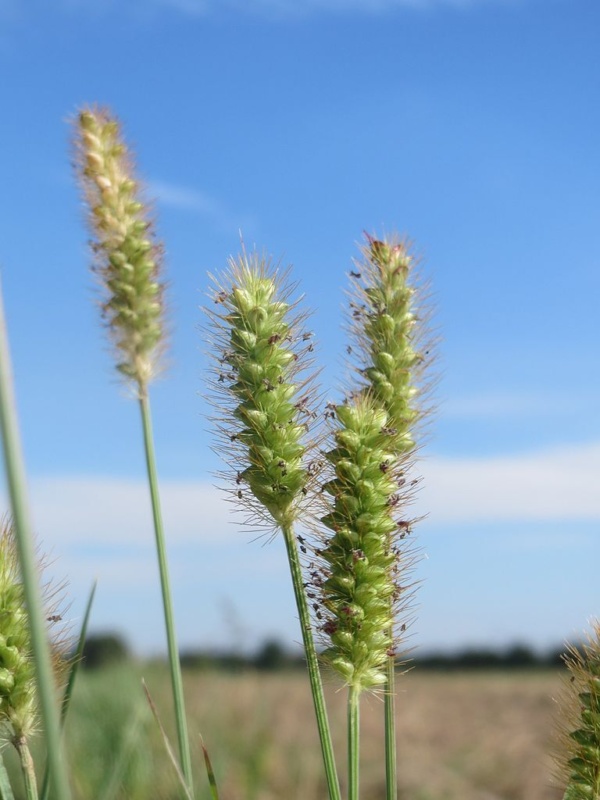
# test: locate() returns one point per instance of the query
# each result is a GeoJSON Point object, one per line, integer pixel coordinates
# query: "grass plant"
{"type": "Point", "coordinates": [373, 440]}
{"type": "Point", "coordinates": [128, 264]}
{"type": "Point", "coordinates": [263, 382]}
{"type": "Point", "coordinates": [290, 463]}
{"type": "Point", "coordinates": [32, 609]}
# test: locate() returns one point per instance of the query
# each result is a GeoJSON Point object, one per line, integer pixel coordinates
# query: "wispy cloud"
{"type": "Point", "coordinates": [552, 484]}
{"type": "Point", "coordinates": [299, 8]}
{"type": "Point", "coordinates": [101, 527]}
{"type": "Point", "coordinates": [121, 515]}
{"type": "Point", "coordinates": [195, 201]}
{"type": "Point", "coordinates": [559, 483]}
{"type": "Point", "coordinates": [269, 9]}
{"type": "Point", "coordinates": [516, 404]}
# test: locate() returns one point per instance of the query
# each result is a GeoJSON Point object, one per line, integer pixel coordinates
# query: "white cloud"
{"type": "Point", "coordinates": [111, 512]}
{"type": "Point", "coordinates": [558, 483]}
{"type": "Point", "coordinates": [198, 202]}
{"type": "Point", "coordinates": [299, 8]}
{"type": "Point", "coordinates": [270, 9]}
{"type": "Point", "coordinates": [515, 404]}
{"type": "Point", "coordinates": [100, 527]}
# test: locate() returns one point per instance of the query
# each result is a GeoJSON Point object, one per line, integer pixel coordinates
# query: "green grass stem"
{"type": "Point", "coordinates": [391, 779]}
{"type": "Point", "coordinates": [27, 768]}
{"type": "Point", "coordinates": [353, 741]}
{"type": "Point", "coordinates": [316, 684]}
{"type": "Point", "coordinates": [161, 551]}
{"type": "Point", "coordinates": [15, 473]}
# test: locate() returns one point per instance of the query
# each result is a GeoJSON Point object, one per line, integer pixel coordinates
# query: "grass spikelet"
{"type": "Point", "coordinates": [128, 264]}
{"type": "Point", "coordinates": [127, 255]}
{"type": "Point", "coordinates": [262, 358]}
{"type": "Point", "coordinates": [578, 758]}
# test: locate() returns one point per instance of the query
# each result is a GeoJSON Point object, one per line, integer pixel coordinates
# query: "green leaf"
{"type": "Point", "coordinates": [214, 790]}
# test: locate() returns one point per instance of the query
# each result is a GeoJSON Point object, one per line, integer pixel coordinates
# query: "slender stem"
{"type": "Point", "coordinates": [28, 768]}
{"type": "Point", "coordinates": [161, 551]}
{"type": "Point", "coordinates": [313, 665]}
{"type": "Point", "coordinates": [15, 473]}
{"type": "Point", "coordinates": [391, 780]}
{"type": "Point", "coordinates": [353, 741]}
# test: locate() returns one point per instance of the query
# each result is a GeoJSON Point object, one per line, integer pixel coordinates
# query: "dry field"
{"type": "Point", "coordinates": [478, 736]}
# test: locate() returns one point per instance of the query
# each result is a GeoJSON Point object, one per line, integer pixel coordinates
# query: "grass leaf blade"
{"type": "Point", "coordinates": [78, 655]}
{"type": "Point", "coordinates": [214, 790]}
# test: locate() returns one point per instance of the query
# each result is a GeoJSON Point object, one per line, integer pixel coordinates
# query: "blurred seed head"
{"type": "Point", "coordinates": [127, 257]}
{"type": "Point", "coordinates": [262, 388]}
{"type": "Point", "coordinates": [577, 753]}
{"type": "Point", "coordinates": [18, 690]}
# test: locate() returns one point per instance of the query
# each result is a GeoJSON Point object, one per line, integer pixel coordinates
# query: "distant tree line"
{"type": "Point", "coordinates": [105, 649]}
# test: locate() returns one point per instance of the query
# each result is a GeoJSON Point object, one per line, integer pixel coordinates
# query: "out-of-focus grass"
{"type": "Point", "coordinates": [467, 736]}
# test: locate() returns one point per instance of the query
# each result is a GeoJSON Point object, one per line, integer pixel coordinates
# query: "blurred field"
{"type": "Point", "coordinates": [477, 736]}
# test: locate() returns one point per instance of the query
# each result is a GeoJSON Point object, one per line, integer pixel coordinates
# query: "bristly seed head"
{"type": "Point", "coordinates": [18, 693]}
{"type": "Point", "coordinates": [373, 440]}
{"type": "Point", "coordinates": [360, 587]}
{"type": "Point", "coordinates": [263, 399]}
{"type": "Point", "coordinates": [578, 754]}
{"type": "Point", "coordinates": [127, 256]}
{"type": "Point", "coordinates": [387, 335]}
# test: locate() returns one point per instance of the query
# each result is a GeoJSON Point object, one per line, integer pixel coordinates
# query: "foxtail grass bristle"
{"type": "Point", "coordinates": [261, 384]}
{"type": "Point", "coordinates": [127, 256]}
{"type": "Point", "coordinates": [578, 753]}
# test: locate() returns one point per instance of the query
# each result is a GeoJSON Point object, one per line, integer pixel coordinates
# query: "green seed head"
{"type": "Point", "coordinates": [578, 753]}
{"type": "Point", "coordinates": [261, 389]}
{"type": "Point", "coordinates": [18, 701]}
{"type": "Point", "coordinates": [373, 432]}
{"type": "Point", "coordinates": [361, 591]}
{"type": "Point", "coordinates": [387, 334]}
{"type": "Point", "coordinates": [127, 256]}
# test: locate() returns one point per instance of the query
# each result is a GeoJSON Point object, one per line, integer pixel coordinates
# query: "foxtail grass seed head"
{"type": "Point", "coordinates": [387, 335]}
{"type": "Point", "coordinates": [127, 255]}
{"type": "Point", "coordinates": [18, 694]}
{"type": "Point", "coordinates": [359, 583]}
{"type": "Point", "coordinates": [261, 388]}
{"type": "Point", "coordinates": [364, 582]}
{"type": "Point", "coordinates": [578, 754]}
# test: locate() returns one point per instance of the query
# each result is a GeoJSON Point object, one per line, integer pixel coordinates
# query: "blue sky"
{"type": "Point", "coordinates": [469, 125]}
